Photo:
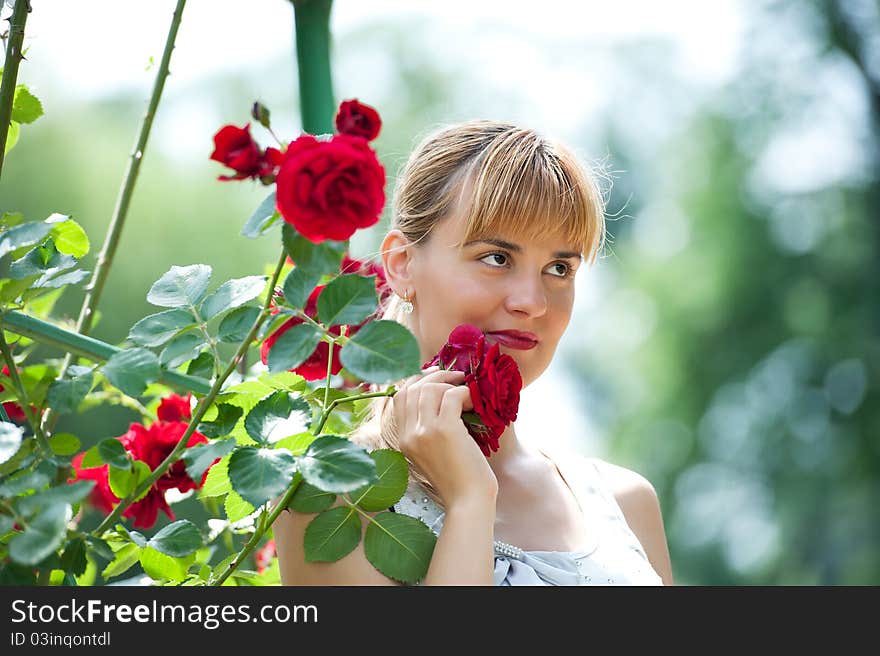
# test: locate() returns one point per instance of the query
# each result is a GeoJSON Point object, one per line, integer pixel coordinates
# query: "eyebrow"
{"type": "Point", "coordinates": [518, 249]}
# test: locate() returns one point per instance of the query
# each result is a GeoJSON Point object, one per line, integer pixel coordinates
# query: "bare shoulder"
{"type": "Point", "coordinates": [638, 501]}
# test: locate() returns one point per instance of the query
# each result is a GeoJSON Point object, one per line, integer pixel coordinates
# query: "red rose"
{"type": "Point", "coordinates": [101, 496]}
{"type": "Point", "coordinates": [175, 408]}
{"type": "Point", "coordinates": [460, 351]}
{"type": "Point", "coordinates": [358, 120]}
{"type": "Point", "coordinates": [151, 445]}
{"type": "Point", "coordinates": [236, 148]}
{"type": "Point", "coordinates": [313, 367]}
{"type": "Point", "coordinates": [492, 377]}
{"type": "Point", "coordinates": [329, 189]}
{"type": "Point", "coordinates": [495, 386]}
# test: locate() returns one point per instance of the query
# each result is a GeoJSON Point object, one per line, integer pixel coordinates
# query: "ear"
{"type": "Point", "coordinates": [396, 258]}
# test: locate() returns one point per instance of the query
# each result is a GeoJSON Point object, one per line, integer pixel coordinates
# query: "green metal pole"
{"type": "Point", "coordinates": [312, 27]}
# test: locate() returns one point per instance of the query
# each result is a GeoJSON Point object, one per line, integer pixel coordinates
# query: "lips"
{"type": "Point", "coordinates": [513, 339]}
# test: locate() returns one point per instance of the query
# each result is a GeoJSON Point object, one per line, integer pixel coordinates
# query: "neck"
{"type": "Point", "coordinates": [510, 449]}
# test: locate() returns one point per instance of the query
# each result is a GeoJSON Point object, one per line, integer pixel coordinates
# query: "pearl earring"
{"type": "Point", "coordinates": [407, 305]}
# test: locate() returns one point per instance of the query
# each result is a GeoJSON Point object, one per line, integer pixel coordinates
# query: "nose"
{"type": "Point", "coordinates": [527, 296]}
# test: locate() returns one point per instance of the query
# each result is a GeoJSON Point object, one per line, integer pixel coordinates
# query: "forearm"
{"type": "Point", "coordinates": [464, 553]}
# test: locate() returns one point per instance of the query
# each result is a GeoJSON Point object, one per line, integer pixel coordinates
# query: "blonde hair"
{"type": "Point", "coordinates": [505, 179]}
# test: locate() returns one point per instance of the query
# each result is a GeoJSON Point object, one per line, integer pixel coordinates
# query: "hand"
{"type": "Point", "coordinates": [427, 411]}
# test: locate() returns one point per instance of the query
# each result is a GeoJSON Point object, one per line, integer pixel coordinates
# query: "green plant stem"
{"type": "Point", "coordinates": [312, 33]}
{"type": "Point", "coordinates": [33, 418]}
{"type": "Point", "coordinates": [10, 70]}
{"type": "Point", "coordinates": [256, 537]}
{"type": "Point", "coordinates": [391, 391]}
{"type": "Point", "coordinates": [87, 347]}
{"type": "Point", "coordinates": [105, 257]}
{"type": "Point", "coordinates": [329, 374]}
{"type": "Point", "coordinates": [199, 411]}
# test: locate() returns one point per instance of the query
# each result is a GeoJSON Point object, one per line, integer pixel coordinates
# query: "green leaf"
{"type": "Point", "coordinates": [399, 546]}
{"type": "Point", "coordinates": [391, 468]}
{"type": "Point", "coordinates": [161, 567]}
{"type": "Point", "coordinates": [202, 366]}
{"type": "Point", "coordinates": [69, 278]}
{"type": "Point", "coordinates": [236, 325]}
{"type": "Point", "coordinates": [43, 535]}
{"type": "Point", "coordinates": [180, 349]}
{"type": "Point", "coordinates": [279, 415]}
{"type": "Point", "coordinates": [12, 136]}
{"type": "Point", "coordinates": [64, 444]}
{"type": "Point", "coordinates": [70, 238]}
{"type": "Point", "coordinates": [292, 347]}
{"type": "Point", "coordinates": [198, 458]}
{"type": "Point", "coordinates": [26, 234]}
{"type": "Point", "coordinates": [181, 286]}
{"type": "Point", "coordinates": [156, 329]}
{"type": "Point", "coordinates": [232, 294]}
{"type": "Point", "coordinates": [114, 454]}
{"type": "Point", "coordinates": [92, 458]}
{"type": "Point", "coordinates": [43, 260]}
{"type": "Point", "coordinates": [26, 108]}
{"type": "Point", "coordinates": [382, 351]}
{"type": "Point", "coordinates": [178, 539]}
{"type": "Point", "coordinates": [322, 258]}
{"type": "Point", "coordinates": [10, 439]}
{"type": "Point", "coordinates": [263, 217]}
{"type": "Point", "coordinates": [66, 395]}
{"type": "Point", "coordinates": [131, 369]}
{"type": "Point", "coordinates": [260, 474]}
{"type": "Point", "coordinates": [217, 482]}
{"type": "Point", "coordinates": [335, 464]}
{"type": "Point", "coordinates": [100, 547]}
{"type": "Point", "coordinates": [296, 444]}
{"type": "Point", "coordinates": [347, 300]}
{"type": "Point", "coordinates": [285, 380]}
{"type": "Point", "coordinates": [332, 534]}
{"type": "Point", "coordinates": [123, 483]}
{"type": "Point", "coordinates": [236, 508]}
{"type": "Point", "coordinates": [298, 286]}
{"type": "Point", "coordinates": [126, 556]}
{"type": "Point", "coordinates": [227, 416]}
{"type": "Point", "coordinates": [309, 499]}
{"type": "Point", "coordinates": [70, 493]}
{"type": "Point", "coordinates": [15, 485]}
{"type": "Point", "coordinates": [74, 560]}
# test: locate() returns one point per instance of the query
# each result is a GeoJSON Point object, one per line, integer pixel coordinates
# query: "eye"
{"type": "Point", "coordinates": [501, 255]}
{"type": "Point", "coordinates": [566, 272]}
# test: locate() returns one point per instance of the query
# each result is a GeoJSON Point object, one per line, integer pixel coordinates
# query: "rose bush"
{"type": "Point", "coordinates": [245, 449]}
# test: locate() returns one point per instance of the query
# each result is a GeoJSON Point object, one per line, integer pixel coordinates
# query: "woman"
{"type": "Point", "coordinates": [490, 224]}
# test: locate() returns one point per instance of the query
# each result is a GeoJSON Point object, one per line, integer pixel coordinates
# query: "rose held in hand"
{"type": "Point", "coordinates": [493, 379]}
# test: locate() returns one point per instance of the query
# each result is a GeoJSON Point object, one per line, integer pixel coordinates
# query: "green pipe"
{"type": "Point", "coordinates": [312, 27]}
{"type": "Point", "coordinates": [88, 347]}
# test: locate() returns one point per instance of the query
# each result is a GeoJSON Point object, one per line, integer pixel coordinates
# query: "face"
{"type": "Point", "coordinates": [511, 284]}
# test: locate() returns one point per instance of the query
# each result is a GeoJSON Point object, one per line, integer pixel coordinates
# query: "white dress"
{"type": "Point", "coordinates": [612, 554]}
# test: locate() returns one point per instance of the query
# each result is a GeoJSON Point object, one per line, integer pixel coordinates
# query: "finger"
{"type": "Point", "coordinates": [454, 402]}
{"type": "Point", "coordinates": [443, 375]}
{"type": "Point", "coordinates": [430, 396]}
